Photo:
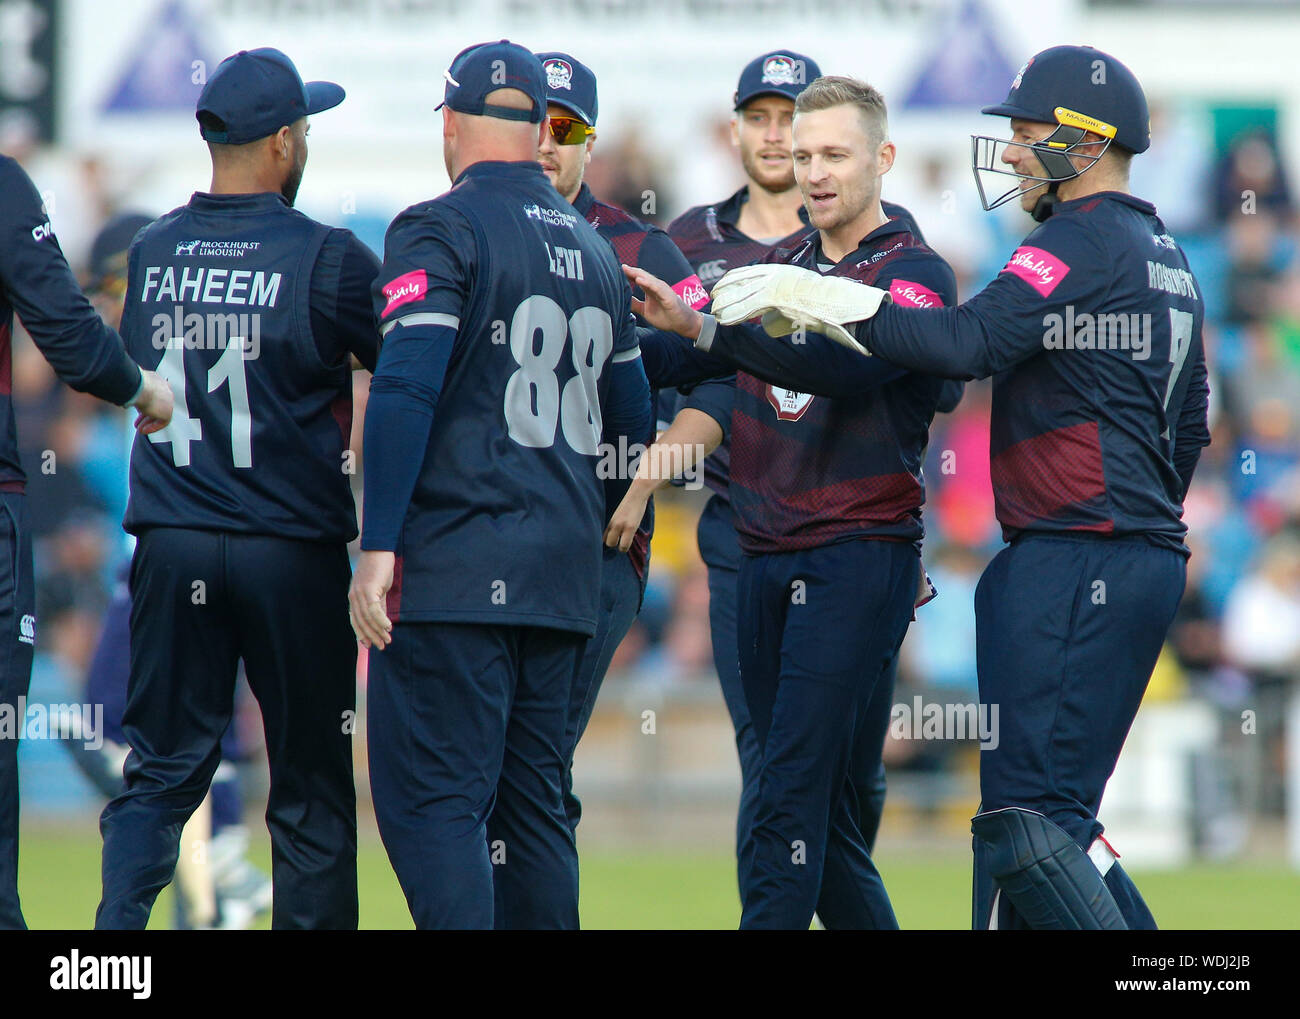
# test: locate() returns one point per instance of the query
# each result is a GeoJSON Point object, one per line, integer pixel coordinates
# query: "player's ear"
{"type": "Point", "coordinates": [542, 128]}
{"type": "Point", "coordinates": [735, 130]}
{"type": "Point", "coordinates": [885, 157]}
{"type": "Point", "coordinates": [282, 146]}
{"type": "Point", "coordinates": [591, 140]}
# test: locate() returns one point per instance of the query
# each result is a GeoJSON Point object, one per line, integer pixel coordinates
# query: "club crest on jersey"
{"type": "Point", "coordinates": [789, 405]}
{"type": "Point", "coordinates": [782, 70]}
{"type": "Point", "coordinates": [559, 74]}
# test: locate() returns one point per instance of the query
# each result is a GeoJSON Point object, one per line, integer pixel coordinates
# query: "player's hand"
{"type": "Point", "coordinates": [627, 518]}
{"type": "Point", "coordinates": [824, 304]}
{"type": "Point", "coordinates": [662, 308]}
{"type": "Point", "coordinates": [154, 404]}
{"type": "Point", "coordinates": [368, 599]}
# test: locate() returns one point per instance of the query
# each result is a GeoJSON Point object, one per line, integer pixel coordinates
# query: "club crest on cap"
{"type": "Point", "coordinates": [780, 70]}
{"type": "Point", "coordinates": [1020, 74]}
{"type": "Point", "coordinates": [559, 74]}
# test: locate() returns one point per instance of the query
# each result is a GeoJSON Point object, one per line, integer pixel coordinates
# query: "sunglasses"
{"type": "Point", "coordinates": [570, 131]}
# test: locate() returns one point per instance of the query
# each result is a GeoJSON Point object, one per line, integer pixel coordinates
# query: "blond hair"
{"type": "Point", "coordinates": [835, 90]}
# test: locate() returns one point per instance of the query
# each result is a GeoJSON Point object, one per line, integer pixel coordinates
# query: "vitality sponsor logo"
{"type": "Point", "coordinates": [218, 249]}
{"type": "Point", "coordinates": [692, 292]}
{"type": "Point", "coordinates": [913, 295]}
{"type": "Point", "coordinates": [1040, 269]}
{"type": "Point", "coordinates": [404, 289]}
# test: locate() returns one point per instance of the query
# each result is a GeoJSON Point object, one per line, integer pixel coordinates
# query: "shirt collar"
{"type": "Point", "coordinates": [525, 170]}
{"type": "Point", "coordinates": [258, 201]}
{"type": "Point", "coordinates": [868, 245]}
{"type": "Point", "coordinates": [728, 210]}
{"type": "Point", "coordinates": [584, 200]}
{"type": "Point", "coordinates": [1141, 204]}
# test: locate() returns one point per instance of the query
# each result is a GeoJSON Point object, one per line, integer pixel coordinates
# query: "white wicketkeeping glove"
{"type": "Point", "coordinates": [798, 297]}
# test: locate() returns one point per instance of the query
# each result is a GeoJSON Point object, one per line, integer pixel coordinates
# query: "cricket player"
{"type": "Point", "coordinates": [572, 105]}
{"type": "Point", "coordinates": [216, 884]}
{"type": "Point", "coordinates": [241, 507]}
{"type": "Point", "coordinates": [826, 488]}
{"type": "Point", "coordinates": [1092, 333]}
{"type": "Point", "coordinates": [509, 356]}
{"type": "Point", "coordinates": [35, 282]}
{"type": "Point", "coordinates": [766, 213]}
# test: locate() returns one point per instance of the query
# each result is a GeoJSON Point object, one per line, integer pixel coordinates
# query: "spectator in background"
{"type": "Point", "coordinates": [1261, 635]}
{"type": "Point", "coordinates": [1251, 177]}
{"type": "Point", "coordinates": [1255, 264]}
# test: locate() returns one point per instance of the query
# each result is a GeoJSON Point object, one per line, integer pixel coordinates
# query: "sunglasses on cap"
{"type": "Point", "coordinates": [570, 131]}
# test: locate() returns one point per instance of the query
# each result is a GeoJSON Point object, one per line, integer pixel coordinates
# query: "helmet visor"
{"type": "Point", "coordinates": [1052, 161]}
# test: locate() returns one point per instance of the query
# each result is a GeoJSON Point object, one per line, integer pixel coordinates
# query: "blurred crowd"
{"type": "Point", "coordinates": [1236, 641]}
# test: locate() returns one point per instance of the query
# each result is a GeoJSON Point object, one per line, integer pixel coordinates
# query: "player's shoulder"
{"type": "Point", "coordinates": [920, 277]}
{"type": "Point", "coordinates": [433, 218]}
{"type": "Point", "coordinates": [158, 227]}
{"type": "Point", "coordinates": [693, 219]}
{"type": "Point", "coordinates": [603, 214]}
{"type": "Point", "coordinates": [1076, 231]}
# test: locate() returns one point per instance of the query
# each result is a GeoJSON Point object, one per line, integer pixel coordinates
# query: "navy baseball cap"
{"type": "Point", "coordinates": [779, 73]}
{"type": "Point", "coordinates": [570, 83]}
{"type": "Point", "coordinates": [108, 250]}
{"type": "Point", "coordinates": [1082, 87]}
{"type": "Point", "coordinates": [256, 92]}
{"type": "Point", "coordinates": [480, 70]}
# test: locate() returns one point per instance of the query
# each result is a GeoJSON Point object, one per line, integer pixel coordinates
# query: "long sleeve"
{"type": "Point", "coordinates": [35, 278]}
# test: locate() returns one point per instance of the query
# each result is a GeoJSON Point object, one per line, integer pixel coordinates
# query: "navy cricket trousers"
{"type": "Point", "coordinates": [620, 600]}
{"type": "Point", "coordinates": [720, 550]}
{"type": "Point", "coordinates": [467, 764]}
{"type": "Point", "coordinates": [1068, 631]}
{"type": "Point", "coordinates": [17, 642]}
{"type": "Point", "coordinates": [200, 601]}
{"type": "Point", "coordinates": [819, 629]}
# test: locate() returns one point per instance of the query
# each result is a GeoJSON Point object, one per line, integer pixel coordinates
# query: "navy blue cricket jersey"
{"type": "Point", "coordinates": [529, 312]}
{"type": "Point", "coordinates": [1092, 333]}
{"type": "Point", "coordinates": [709, 237]}
{"type": "Point", "coordinates": [840, 457]}
{"type": "Point", "coordinates": [36, 282]}
{"type": "Point", "coordinates": [647, 247]}
{"type": "Point", "coordinates": [248, 309]}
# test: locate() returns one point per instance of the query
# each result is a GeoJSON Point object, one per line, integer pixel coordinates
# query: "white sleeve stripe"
{"type": "Point", "coordinates": [626, 355]}
{"type": "Point", "coordinates": [422, 318]}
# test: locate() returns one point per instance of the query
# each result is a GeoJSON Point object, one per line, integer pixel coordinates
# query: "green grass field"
{"type": "Point", "coordinates": [60, 886]}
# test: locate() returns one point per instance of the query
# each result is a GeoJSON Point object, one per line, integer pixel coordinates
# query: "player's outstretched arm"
{"type": "Point", "coordinates": [85, 352]}
{"type": "Point", "coordinates": [807, 362]}
{"type": "Point", "coordinates": [668, 361]}
{"type": "Point", "coordinates": [691, 437]}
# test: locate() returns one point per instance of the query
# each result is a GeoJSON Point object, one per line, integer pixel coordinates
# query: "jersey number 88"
{"type": "Point", "coordinates": [534, 401]}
